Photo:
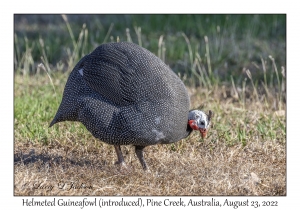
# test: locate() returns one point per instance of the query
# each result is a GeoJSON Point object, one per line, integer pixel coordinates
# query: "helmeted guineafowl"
{"type": "Point", "coordinates": [124, 94]}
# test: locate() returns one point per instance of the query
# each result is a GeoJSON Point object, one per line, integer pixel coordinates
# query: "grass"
{"type": "Point", "coordinates": [235, 41]}
{"type": "Point", "coordinates": [245, 152]}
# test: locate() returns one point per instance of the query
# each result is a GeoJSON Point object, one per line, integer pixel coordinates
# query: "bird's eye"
{"type": "Point", "coordinates": [202, 123]}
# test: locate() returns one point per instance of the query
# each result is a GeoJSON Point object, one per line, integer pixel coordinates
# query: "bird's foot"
{"type": "Point", "coordinates": [147, 171]}
{"type": "Point", "coordinates": [121, 164]}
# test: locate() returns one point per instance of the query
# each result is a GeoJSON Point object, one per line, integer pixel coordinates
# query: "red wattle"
{"type": "Point", "coordinates": [193, 125]}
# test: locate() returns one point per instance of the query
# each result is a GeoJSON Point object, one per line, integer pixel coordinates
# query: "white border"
{"type": "Point", "coordinates": [154, 6]}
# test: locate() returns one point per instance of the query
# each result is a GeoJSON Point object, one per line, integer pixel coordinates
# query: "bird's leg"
{"type": "Point", "coordinates": [140, 154]}
{"type": "Point", "coordinates": [120, 161]}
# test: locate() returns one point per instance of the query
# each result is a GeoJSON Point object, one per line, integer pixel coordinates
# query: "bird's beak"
{"type": "Point", "coordinates": [203, 132]}
{"type": "Point", "coordinates": [194, 126]}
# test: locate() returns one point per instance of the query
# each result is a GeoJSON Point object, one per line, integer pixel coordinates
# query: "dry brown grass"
{"type": "Point", "coordinates": [189, 167]}
{"type": "Point", "coordinates": [198, 171]}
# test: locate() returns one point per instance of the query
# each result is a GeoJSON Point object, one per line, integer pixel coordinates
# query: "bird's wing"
{"type": "Point", "coordinates": [106, 70]}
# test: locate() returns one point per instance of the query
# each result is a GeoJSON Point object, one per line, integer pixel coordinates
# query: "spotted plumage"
{"type": "Point", "coordinates": [124, 94]}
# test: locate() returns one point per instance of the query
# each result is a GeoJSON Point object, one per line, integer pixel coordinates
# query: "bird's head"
{"type": "Point", "coordinates": [198, 120]}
